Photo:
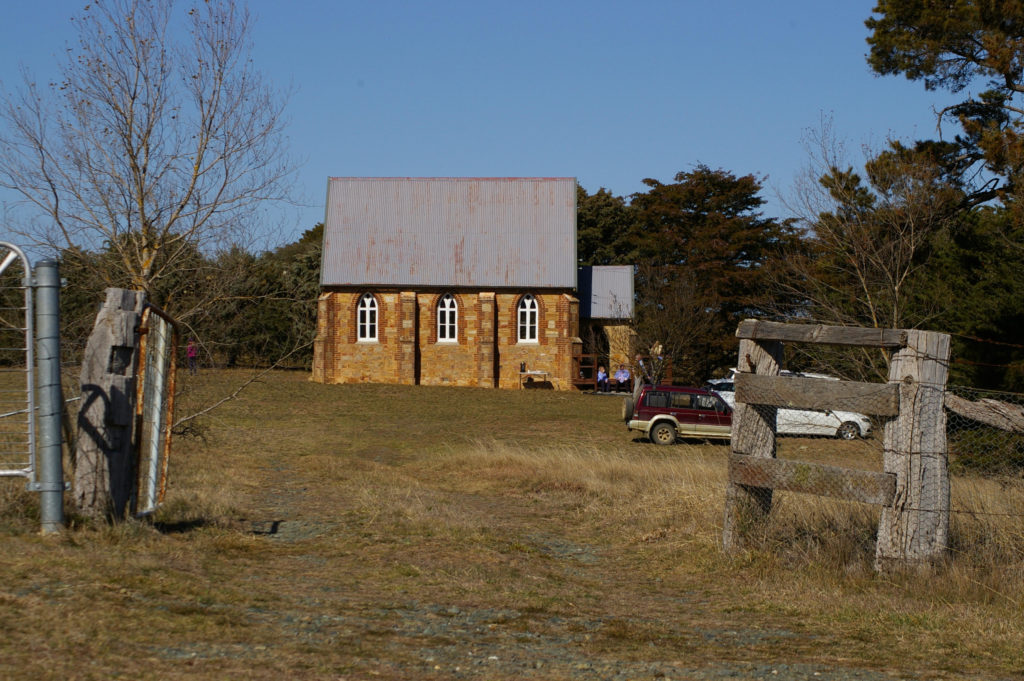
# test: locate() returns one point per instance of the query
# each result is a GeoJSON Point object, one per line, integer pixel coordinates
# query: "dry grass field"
{"type": "Point", "coordinates": [387, 532]}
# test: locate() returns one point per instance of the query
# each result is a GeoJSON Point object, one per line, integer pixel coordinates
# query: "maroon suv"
{"type": "Point", "coordinates": [665, 412]}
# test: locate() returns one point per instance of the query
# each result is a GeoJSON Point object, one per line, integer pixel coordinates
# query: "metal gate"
{"type": "Point", "coordinates": [154, 411]}
{"type": "Point", "coordinates": [17, 378]}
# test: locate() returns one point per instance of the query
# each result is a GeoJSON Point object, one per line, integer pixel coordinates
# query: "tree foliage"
{"type": "Point", "coordinates": [981, 287]}
{"type": "Point", "coordinates": [605, 226]}
{"type": "Point", "coordinates": [895, 245]}
{"type": "Point", "coordinates": [866, 258]}
{"type": "Point", "coordinates": [705, 252]}
{"type": "Point", "coordinates": [271, 312]}
{"type": "Point", "coordinates": [244, 309]}
{"type": "Point", "coordinates": [967, 272]}
{"type": "Point", "coordinates": [872, 247]}
{"type": "Point", "coordinates": [952, 45]}
{"type": "Point", "coordinates": [710, 221]}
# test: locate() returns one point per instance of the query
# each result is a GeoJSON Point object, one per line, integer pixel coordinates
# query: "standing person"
{"type": "Point", "coordinates": [602, 379]}
{"type": "Point", "coordinates": [192, 352]}
{"type": "Point", "coordinates": [641, 370]}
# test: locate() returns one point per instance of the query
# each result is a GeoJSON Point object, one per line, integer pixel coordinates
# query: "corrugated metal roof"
{"type": "Point", "coordinates": [410, 231]}
{"type": "Point", "coordinates": [606, 292]}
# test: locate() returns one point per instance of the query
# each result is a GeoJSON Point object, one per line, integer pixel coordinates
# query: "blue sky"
{"type": "Point", "coordinates": [607, 92]}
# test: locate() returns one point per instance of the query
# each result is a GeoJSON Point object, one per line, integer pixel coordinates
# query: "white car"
{"type": "Point", "coordinates": [846, 425]}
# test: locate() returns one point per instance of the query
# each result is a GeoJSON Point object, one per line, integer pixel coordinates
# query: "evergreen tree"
{"type": "Point", "coordinates": [953, 46]}
{"type": "Point", "coordinates": [705, 252]}
{"type": "Point", "coordinates": [605, 229]}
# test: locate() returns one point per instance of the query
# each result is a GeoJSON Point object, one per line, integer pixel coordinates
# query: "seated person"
{"type": "Point", "coordinates": [622, 378]}
{"type": "Point", "coordinates": [602, 379]}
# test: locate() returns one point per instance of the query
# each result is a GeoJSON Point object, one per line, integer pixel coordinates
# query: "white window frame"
{"type": "Point", "coordinates": [367, 319]}
{"type": "Point", "coordinates": [527, 319]}
{"type": "Point", "coordinates": [447, 319]}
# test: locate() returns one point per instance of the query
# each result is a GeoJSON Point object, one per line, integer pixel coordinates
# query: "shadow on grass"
{"type": "Point", "coordinates": [256, 527]}
{"type": "Point", "coordinates": [265, 527]}
{"type": "Point", "coordinates": [181, 526]}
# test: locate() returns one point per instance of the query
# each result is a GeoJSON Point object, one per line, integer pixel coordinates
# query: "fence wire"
{"type": "Point", "coordinates": [983, 453]}
{"type": "Point", "coordinates": [985, 432]}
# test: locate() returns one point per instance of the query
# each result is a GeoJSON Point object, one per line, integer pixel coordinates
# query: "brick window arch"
{"type": "Point", "coordinates": [367, 318]}
{"type": "Point", "coordinates": [447, 319]}
{"type": "Point", "coordinates": [528, 320]}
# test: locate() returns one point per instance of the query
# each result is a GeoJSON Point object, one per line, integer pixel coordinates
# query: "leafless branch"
{"type": "Point", "coordinates": [148, 146]}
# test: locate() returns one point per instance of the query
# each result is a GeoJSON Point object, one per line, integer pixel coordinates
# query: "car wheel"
{"type": "Point", "coordinates": [663, 433]}
{"type": "Point", "coordinates": [627, 409]}
{"type": "Point", "coordinates": [848, 431]}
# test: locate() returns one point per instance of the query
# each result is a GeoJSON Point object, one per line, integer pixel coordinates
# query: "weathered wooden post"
{"type": "Point", "coordinates": [105, 478]}
{"type": "Point", "coordinates": [914, 530]}
{"type": "Point", "coordinates": [753, 434]}
{"type": "Point", "coordinates": [754, 472]}
{"type": "Point", "coordinates": [914, 488]}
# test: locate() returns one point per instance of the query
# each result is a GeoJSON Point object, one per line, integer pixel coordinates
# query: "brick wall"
{"type": "Point", "coordinates": [455, 363]}
{"type": "Point", "coordinates": [342, 357]}
{"type": "Point", "coordinates": [552, 353]}
{"type": "Point", "coordinates": [487, 353]}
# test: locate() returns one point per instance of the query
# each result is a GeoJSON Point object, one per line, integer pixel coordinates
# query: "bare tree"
{"type": "Point", "coordinates": [144, 161]}
{"type": "Point", "coordinates": [869, 239]}
{"type": "Point", "coordinates": [160, 138]}
{"type": "Point", "coordinates": [676, 320]}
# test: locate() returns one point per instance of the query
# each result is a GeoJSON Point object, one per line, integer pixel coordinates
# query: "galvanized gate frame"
{"type": "Point", "coordinates": [154, 406]}
{"type": "Point", "coordinates": [14, 254]}
{"type": "Point", "coordinates": [42, 372]}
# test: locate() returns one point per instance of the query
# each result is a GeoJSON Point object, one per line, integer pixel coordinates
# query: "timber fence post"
{"type": "Point", "coordinates": [753, 435]}
{"type": "Point", "coordinates": [105, 475]}
{"type": "Point", "coordinates": [914, 530]}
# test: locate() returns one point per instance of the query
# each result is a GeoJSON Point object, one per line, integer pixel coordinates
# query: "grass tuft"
{"type": "Point", "coordinates": [19, 508]}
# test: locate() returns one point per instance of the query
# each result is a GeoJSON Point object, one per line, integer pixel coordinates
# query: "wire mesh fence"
{"type": "Point", "coordinates": [980, 469]}
{"type": "Point", "coordinates": [826, 487]}
{"type": "Point", "coordinates": [16, 376]}
{"type": "Point", "coordinates": [985, 440]}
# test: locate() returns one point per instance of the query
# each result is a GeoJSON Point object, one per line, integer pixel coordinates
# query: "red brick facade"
{"type": "Point", "coordinates": [487, 352]}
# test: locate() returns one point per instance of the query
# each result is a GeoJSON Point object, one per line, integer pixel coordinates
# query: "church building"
{"type": "Point", "coordinates": [449, 281]}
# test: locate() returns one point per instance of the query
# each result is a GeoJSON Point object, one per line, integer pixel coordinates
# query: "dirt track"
{"type": "Point", "coordinates": [615, 623]}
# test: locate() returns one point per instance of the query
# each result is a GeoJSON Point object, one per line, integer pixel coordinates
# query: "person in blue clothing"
{"type": "Point", "coordinates": [622, 378]}
{"type": "Point", "coordinates": [602, 379]}
{"type": "Point", "coordinates": [641, 370]}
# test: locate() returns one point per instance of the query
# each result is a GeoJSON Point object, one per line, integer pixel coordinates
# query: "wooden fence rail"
{"type": "Point", "coordinates": [913, 490]}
